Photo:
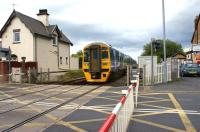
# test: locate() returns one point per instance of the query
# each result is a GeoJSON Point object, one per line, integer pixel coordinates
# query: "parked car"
{"type": "Point", "coordinates": [190, 69]}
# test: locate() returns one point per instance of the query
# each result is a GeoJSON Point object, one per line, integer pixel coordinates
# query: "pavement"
{"type": "Point", "coordinates": [168, 107]}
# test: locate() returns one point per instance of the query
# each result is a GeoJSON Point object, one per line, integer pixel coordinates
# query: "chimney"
{"type": "Point", "coordinates": [43, 16]}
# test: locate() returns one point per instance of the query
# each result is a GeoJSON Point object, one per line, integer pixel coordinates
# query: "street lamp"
{"type": "Point", "coordinates": [164, 43]}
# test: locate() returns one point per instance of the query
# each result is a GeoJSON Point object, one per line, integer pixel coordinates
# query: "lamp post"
{"type": "Point", "coordinates": [164, 43]}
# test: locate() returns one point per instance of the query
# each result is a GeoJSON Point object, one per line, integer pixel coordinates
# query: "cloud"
{"type": "Point", "coordinates": [125, 24]}
{"type": "Point", "coordinates": [82, 34]}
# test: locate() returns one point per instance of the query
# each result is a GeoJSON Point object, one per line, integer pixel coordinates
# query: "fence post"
{"type": "Point", "coordinates": [48, 74]}
{"type": "Point", "coordinates": [40, 74]}
{"type": "Point", "coordinates": [144, 75]}
{"type": "Point", "coordinates": [130, 72]}
{"type": "Point", "coordinates": [29, 75]}
{"type": "Point", "coordinates": [128, 75]}
{"type": "Point", "coordinates": [178, 68]}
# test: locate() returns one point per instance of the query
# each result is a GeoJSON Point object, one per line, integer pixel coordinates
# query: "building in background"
{"type": "Point", "coordinates": [36, 40]}
{"type": "Point", "coordinates": [195, 50]}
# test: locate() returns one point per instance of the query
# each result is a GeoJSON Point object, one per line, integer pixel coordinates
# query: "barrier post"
{"type": "Point", "coordinates": [136, 85]}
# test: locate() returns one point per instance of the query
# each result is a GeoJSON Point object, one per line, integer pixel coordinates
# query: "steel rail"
{"type": "Point", "coordinates": [47, 111]}
{"type": "Point", "coordinates": [60, 93]}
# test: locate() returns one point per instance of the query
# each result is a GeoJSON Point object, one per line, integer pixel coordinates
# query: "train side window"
{"type": "Point", "coordinates": [104, 54]}
{"type": "Point", "coordinates": [112, 54]}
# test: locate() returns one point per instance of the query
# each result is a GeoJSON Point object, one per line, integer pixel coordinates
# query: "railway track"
{"type": "Point", "coordinates": [24, 94]}
{"type": "Point", "coordinates": [54, 95]}
{"type": "Point", "coordinates": [75, 81]}
{"type": "Point", "coordinates": [49, 110]}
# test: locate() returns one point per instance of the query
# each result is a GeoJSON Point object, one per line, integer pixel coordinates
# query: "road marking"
{"type": "Point", "coordinates": [161, 107]}
{"type": "Point", "coordinates": [108, 98]}
{"type": "Point", "coordinates": [150, 97]}
{"type": "Point", "coordinates": [162, 100]}
{"type": "Point", "coordinates": [53, 118]}
{"type": "Point", "coordinates": [157, 125]}
{"type": "Point", "coordinates": [152, 113]}
{"type": "Point", "coordinates": [188, 112]}
{"type": "Point", "coordinates": [87, 121]}
{"type": "Point", "coordinates": [151, 93]}
{"type": "Point", "coordinates": [66, 124]}
{"type": "Point", "coordinates": [186, 121]}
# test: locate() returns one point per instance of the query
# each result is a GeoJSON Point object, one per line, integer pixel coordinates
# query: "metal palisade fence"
{"type": "Point", "coordinates": [173, 67]}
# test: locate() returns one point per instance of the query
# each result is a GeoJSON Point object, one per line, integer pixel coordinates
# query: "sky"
{"type": "Point", "coordinates": [127, 25]}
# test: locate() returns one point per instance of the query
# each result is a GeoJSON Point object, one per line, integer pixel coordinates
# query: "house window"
{"type": "Point", "coordinates": [66, 60]}
{"type": "Point", "coordinates": [55, 40]}
{"type": "Point", "coordinates": [16, 35]}
{"type": "Point", "coordinates": [60, 60]}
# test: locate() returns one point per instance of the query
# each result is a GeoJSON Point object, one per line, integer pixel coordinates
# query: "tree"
{"type": "Point", "coordinates": [79, 54]}
{"type": "Point", "coordinates": [171, 49]}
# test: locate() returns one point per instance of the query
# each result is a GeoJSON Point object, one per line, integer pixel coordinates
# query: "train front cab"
{"type": "Point", "coordinates": [96, 63]}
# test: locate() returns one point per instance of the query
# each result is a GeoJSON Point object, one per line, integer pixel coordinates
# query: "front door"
{"type": "Point", "coordinates": [95, 59]}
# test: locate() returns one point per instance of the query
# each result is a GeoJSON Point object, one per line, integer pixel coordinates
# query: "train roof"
{"type": "Point", "coordinates": [98, 43]}
{"type": "Point", "coordinates": [101, 43]}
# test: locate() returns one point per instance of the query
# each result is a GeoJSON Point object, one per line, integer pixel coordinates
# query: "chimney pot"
{"type": "Point", "coordinates": [43, 12]}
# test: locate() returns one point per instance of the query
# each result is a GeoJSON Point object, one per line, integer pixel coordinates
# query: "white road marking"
{"type": "Point", "coordinates": [188, 112]}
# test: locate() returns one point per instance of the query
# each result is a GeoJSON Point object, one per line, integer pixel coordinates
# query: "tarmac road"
{"type": "Point", "coordinates": [174, 106]}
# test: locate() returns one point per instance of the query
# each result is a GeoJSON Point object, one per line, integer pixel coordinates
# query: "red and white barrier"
{"type": "Point", "coordinates": [118, 120]}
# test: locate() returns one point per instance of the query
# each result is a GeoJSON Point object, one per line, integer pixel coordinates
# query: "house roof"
{"type": "Point", "coordinates": [35, 26]}
{"type": "Point", "coordinates": [198, 19]}
{"type": "Point", "coordinates": [179, 56]}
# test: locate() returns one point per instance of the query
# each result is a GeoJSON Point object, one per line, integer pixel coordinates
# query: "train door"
{"type": "Point", "coordinates": [95, 65]}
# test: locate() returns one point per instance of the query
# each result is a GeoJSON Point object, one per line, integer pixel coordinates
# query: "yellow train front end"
{"type": "Point", "coordinates": [96, 62]}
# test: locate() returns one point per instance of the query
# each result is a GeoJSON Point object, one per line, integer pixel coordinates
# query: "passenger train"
{"type": "Point", "coordinates": [101, 62]}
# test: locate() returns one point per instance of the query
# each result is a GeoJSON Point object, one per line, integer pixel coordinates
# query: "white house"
{"type": "Point", "coordinates": [36, 40]}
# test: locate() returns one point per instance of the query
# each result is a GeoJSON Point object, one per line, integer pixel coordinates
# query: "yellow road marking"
{"type": "Point", "coordinates": [108, 98]}
{"type": "Point", "coordinates": [35, 124]}
{"type": "Point", "coordinates": [157, 125]}
{"type": "Point", "coordinates": [186, 121]}
{"type": "Point", "coordinates": [162, 100]}
{"type": "Point", "coordinates": [86, 121]}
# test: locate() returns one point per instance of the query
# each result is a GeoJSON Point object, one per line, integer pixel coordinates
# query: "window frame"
{"type": "Point", "coordinates": [60, 59]}
{"type": "Point", "coordinates": [16, 39]}
{"type": "Point", "coordinates": [66, 59]}
{"type": "Point", "coordinates": [55, 40]}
